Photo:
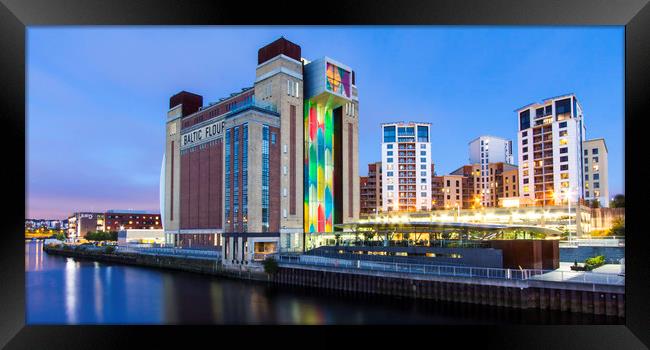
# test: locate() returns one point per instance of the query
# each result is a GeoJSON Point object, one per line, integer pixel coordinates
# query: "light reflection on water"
{"type": "Point", "coordinates": [64, 291]}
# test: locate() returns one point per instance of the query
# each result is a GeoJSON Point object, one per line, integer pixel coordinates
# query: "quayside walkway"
{"type": "Point", "coordinates": [433, 271]}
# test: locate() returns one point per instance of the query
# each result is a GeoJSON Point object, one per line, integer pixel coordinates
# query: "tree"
{"type": "Point", "coordinates": [618, 201]}
{"type": "Point", "coordinates": [337, 237]}
{"type": "Point", "coordinates": [618, 228]}
{"type": "Point", "coordinates": [595, 203]}
{"type": "Point", "coordinates": [60, 236]}
{"type": "Point", "coordinates": [270, 266]}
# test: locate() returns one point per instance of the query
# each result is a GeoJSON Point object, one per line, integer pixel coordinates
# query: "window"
{"type": "Point", "coordinates": [389, 173]}
{"type": "Point", "coordinates": [563, 133]}
{"type": "Point", "coordinates": [423, 133]}
{"type": "Point", "coordinates": [389, 187]}
{"type": "Point", "coordinates": [423, 181]}
{"type": "Point", "coordinates": [389, 146]}
{"type": "Point", "coordinates": [563, 109]}
{"type": "Point", "coordinates": [564, 167]}
{"type": "Point", "coordinates": [524, 120]}
{"type": "Point", "coordinates": [389, 160]}
{"type": "Point", "coordinates": [596, 176]}
{"type": "Point", "coordinates": [564, 149]}
{"type": "Point", "coordinates": [564, 184]}
{"type": "Point", "coordinates": [423, 187]}
{"type": "Point", "coordinates": [586, 177]}
{"type": "Point", "coordinates": [423, 153]}
{"type": "Point", "coordinates": [423, 160]}
{"type": "Point", "coordinates": [525, 174]}
{"type": "Point", "coordinates": [525, 157]}
{"type": "Point", "coordinates": [525, 149]}
{"type": "Point", "coordinates": [423, 194]}
{"type": "Point", "coordinates": [596, 184]}
{"type": "Point", "coordinates": [524, 142]}
{"type": "Point", "coordinates": [457, 183]}
{"type": "Point", "coordinates": [564, 159]}
{"type": "Point", "coordinates": [389, 134]}
{"type": "Point", "coordinates": [594, 151]}
{"type": "Point", "coordinates": [273, 135]}
{"type": "Point", "coordinates": [389, 153]}
{"type": "Point", "coordinates": [525, 181]}
{"type": "Point", "coordinates": [423, 166]}
{"type": "Point", "coordinates": [423, 146]}
{"type": "Point", "coordinates": [586, 193]}
{"type": "Point", "coordinates": [524, 134]}
{"type": "Point", "coordinates": [594, 159]}
{"type": "Point", "coordinates": [423, 173]}
{"type": "Point", "coordinates": [562, 125]}
{"type": "Point", "coordinates": [448, 183]}
{"type": "Point", "coordinates": [526, 188]}
{"type": "Point", "coordinates": [564, 176]}
{"type": "Point", "coordinates": [564, 141]}
{"type": "Point", "coordinates": [586, 152]}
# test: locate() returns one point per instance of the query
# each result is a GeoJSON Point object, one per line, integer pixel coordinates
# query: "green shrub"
{"type": "Point", "coordinates": [109, 249]}
{"type": "Point", "coordinates": [270, 266]}
{"type": "Point", "coordinates": [618, 228]}
{"type": "Point", "coordinates": [596, 261]}
{"type": "Point", "coordinates": [101, 236]}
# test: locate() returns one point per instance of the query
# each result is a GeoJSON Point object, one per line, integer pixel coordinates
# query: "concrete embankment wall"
{"type": "Point", "coordinates": [610, 302]}
{"type": "Point", "coordinates": [500, 293]}
{"type": "Point", "coordinates": [197, 265]}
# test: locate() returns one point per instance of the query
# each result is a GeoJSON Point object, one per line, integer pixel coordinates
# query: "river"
{"type": "Point", "coordinates": [62, 290]}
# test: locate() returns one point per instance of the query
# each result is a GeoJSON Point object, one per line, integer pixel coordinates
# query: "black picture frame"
{"type": "Point", "coordinates": [16, 15]}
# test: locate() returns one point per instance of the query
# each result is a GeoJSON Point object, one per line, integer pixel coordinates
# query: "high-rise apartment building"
{"type": "Point", "coordinates": [370, 185]}
{"type": "Point", "coordinates": [253, 172]}
{"type": "Point", "coordinates": [550, 142]}
{"type": "Point", "coordinates": [595, 159]}
{"type": "Point", "coordinates": [490, 149]}
{"type": "Point", "coordinates": [406, 166]}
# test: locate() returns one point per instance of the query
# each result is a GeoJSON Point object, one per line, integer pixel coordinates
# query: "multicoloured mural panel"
{"type": "Point", "coordinates": [338, 80]}
{"type": "Point", "coordinates": [319, 167]}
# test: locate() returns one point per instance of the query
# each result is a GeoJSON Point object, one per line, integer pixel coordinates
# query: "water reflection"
{"type": "Point", "coordinates": [64, 291]}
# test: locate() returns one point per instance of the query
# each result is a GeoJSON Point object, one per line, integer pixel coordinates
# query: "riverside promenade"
{"type": "Point", "coordinates": [585, 292]}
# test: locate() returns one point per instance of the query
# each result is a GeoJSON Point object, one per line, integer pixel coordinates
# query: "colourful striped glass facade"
{"type": "Point", "coordinates": [319, 167]}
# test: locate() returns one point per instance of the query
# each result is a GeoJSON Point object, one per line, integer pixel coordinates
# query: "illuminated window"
{"type": "Point", "coordinates": [595, 167]}
{"type": "Point", "coordinates": [525, 188]}
{"type": "Point", "coordinates": [564, 141]}
{"type": "Point", "coordinates": [564, 176]}
{"type": "Point", "coordinates": [564, 184]}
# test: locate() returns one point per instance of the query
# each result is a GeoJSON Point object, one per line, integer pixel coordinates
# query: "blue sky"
{"type": "Point", "coordinates": [97, 96]}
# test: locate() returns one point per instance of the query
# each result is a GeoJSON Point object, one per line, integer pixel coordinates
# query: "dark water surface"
{"type": "Point", "coordinates": [63, 290]}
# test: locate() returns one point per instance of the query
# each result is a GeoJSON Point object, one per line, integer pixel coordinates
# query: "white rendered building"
{"type": "Point", "coordinates": [490, 149]}
{"type": "Point", "coordinates": [596, 171]}
{"type": "Point", "coordinates": [406, 166]}
{"type": "Point", "coordinates": [550, 139]}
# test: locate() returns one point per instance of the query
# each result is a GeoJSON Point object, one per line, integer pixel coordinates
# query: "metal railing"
{"type": "Point", "coordinates": [455, 271]}
{"type": "Point", "coordinates": [594, 242]}
{"type": "Point", "coordinates": [171, 251]}
{"type": "Point", "coordinates": [422, 269]}
{"type": "Point", "coordinates": [582, 277]}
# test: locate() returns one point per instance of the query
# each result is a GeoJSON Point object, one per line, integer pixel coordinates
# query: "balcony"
{"type": "Point", "coordinates": [253, 103]}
